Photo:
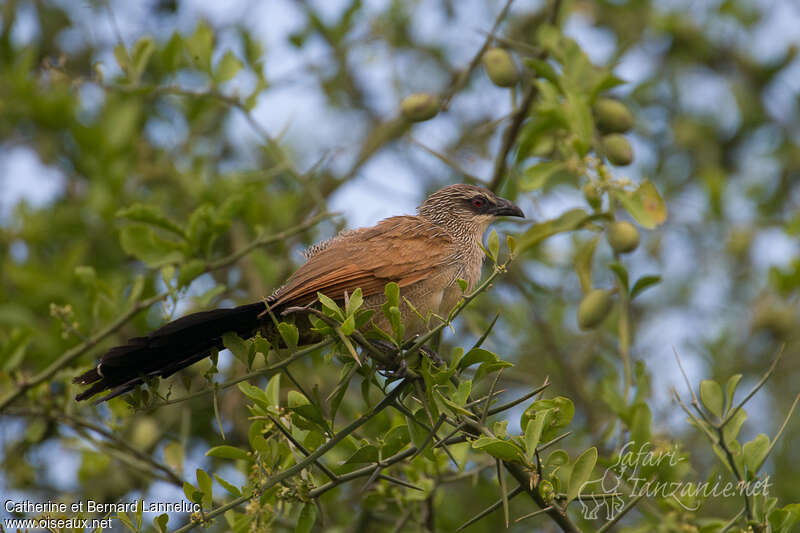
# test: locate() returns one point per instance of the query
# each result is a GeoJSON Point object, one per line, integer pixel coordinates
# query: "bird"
{"type": "Point", "coordinates": [424, 254]}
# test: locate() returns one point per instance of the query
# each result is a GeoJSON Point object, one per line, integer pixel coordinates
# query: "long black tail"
{"type": "Point", "coordinates": [168, 349]}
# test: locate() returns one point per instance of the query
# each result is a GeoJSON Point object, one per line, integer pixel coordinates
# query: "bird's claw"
{"type": "Point", "coordinates": [400, 372]}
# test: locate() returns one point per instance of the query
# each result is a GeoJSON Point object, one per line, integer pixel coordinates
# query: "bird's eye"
{"type": "Point", "coordinates": [478, 202]}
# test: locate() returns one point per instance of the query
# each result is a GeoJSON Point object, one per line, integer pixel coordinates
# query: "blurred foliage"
{"type": "Point", "coordinates": [163, 209]}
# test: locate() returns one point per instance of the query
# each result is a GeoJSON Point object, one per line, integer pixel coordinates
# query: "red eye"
{"type": "Point", "coordinates": [477, 202]}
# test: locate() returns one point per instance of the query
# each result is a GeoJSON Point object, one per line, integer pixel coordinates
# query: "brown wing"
{"type": "Point", "coordinates": [403, 249]}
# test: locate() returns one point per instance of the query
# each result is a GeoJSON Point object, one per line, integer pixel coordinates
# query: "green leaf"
{"type": "Point", "coordinates": [228, 67]}
{"type": "Point", "coordinates": [330, 307]}
{"type": "Point", "coordinates": [140, 241]}
{"type": "Point", "coordinates": [501, 449]}
{"type": "Point", "coordinates": [732, 428]}
{"type": "Point", "coordinates": [298, 403]}
{"type": "Point", "coordinates": [583, 263]}
{"type": "Point", "coordinates": [558, 412]}
{"type": "Point", "coordinates": [711, 396]}
{"type": "Point", "coordinates": [730, 390]}
{"type": "Point", "coordinates": [273, 390]}
{"type": "Point", "coordinates": [123, 517]}
{"type": "Point", "coordinates": [13, 351]}
{"type": "Point", "coordinates": [783, 520]}
{"type": "Point", "coordinates": [200, 45]}
{"type": "Point", "coordinates": [644, 204]}
{"type": "Point", "coordinates": [238, 347]}
{"type": "Point", "coordinates": [308, 516]}
{"type": "Point", "coordinates": [622, 274]}
{"type": "Point", "coordinates": [204, 483]}
{"type": "Point", "coordinates": [230, 487]}
{"type": "Point", "coordinates": [640, 424]}
{"type": "Point", "coordinates": [173, 455]}
{"type": "Point", "coordinates": [349, 325]}
{"type": "Point", "coordinates": [395, 440]}
{"type": "Point", "coordinates": [578, 113]}
{"type": "Point", "coordinates": [493, 245]}
{"type": "Point", "coordinates": [355, 302]}
{"type": "Point", "coordinates": [533, 432]}
{"type": "Point", "coordinates": [511, 242]}
{"type": "Point", "coordinates": [121, 123]}
{"type": "Point", "coordinates": [254, 393]}
{"type": "Point", "coordinates": [396, 320]}
{"type": "Point", "coordinates": [418, 433]}
{"type": "Point", "coordinates": [581, 471]}
{"type": "Point", "coordinates": [289, 334]}
{"type": "Point", "coordinates": [189, 271]}
{"type": "Point", "coordinates": [149, 214]}
{"type": "Point", "coordinates": [138, 514]}
{"type": "Point", "coordinates": [643, 283]}
{"type": "Point", "coordinates": [228, 452]}
{"type": "Point", "coordinates": [392, 293]}
{"type": "Point", "coordinates": [488, 368]}
{"type": "Point", "coordinates": [160, 522]}
{"type": "Point", "coordinates": [570, 220]}
{"type": "Point", "coordinates": [543, 69]}
{"type": "Point", "coordinates": [296, 399]}
{"type": "Point", "coordinates": [140, 55]}
{"type": "Point", "coordinates": [121, 55]}
{"type": "Point", "coordinates": [477, 355]}
{"type": "Point", "coordinates": [462, 284]}
{"type": "Point", "coordinates": [547, 173]}
{"type": "Point", "coordinates": [172, 54]}
{"type": "Point", "coordinates": [365, 454]}
{"type": "Point", "coordinates": [450, 405]}
{"type": "Point", "coordinates": [755, 452]}
{"type": "Point", "coordinates": [191, 492]}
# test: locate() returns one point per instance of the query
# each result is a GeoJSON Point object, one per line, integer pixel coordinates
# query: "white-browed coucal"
{"type": "Point", "coordinates": [424, 254]}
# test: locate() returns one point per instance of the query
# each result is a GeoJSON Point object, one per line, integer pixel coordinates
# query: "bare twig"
{"type": "Point", "coordinates": [73, 353]}
{"type": "Point", "coordinates": [464, 75]}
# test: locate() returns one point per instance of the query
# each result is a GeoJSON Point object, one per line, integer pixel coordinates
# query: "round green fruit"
{"type": "Point", "coordinates": [623, 237]}
{"type": "Point", "coordinates": [612, 116]}
{"type": "Point", "coordinates": [419, 106]}
{"type": "Point", "coordinates": [618, 150]}
{"type": "Point", "coordinates": [594, 308]}
{"type": "Point", "coordinates": [500, 67]}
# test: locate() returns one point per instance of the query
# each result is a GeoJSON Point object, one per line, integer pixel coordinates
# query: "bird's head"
{"type": "Point", "coordinates": [467, 206]}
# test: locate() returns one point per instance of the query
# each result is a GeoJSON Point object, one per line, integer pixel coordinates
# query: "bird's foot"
{"type": "Point", "coordinates": [397, 367]}
{"type": "Point", "coordinates": [427, 352]}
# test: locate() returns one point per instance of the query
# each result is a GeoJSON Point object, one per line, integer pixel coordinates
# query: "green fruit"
{"type": "Point", "coordinates": [618, 150]}
{"type": "Point", "coordinates": [145, 433]}
{"type": "Point", "coordinates": [612, 116]}
{"type": "Point", "coordinates": [592, 195]}
{"type": "Point", "coordinates": [623, 237]}
{"type": "Point", "coordinates": [500, 67]}
{"type": "Point", "coordinates": [594, 308]}
{"type": "Point", "coordinates": [419, 106]}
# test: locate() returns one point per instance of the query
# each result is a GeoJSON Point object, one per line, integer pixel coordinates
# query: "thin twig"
{"type": "Point", "coordinates": [496, 505]}
{"type": "Point", "coordinates": [622, 512]}
{"type": "Point", "coordinates": [465, 74]}
{"type": "Point", "coordinates": [266, 372]}
{"type": "Point", "coordinates": [309, 460]}
{"type": "Point", "coordinates": [73, 353]}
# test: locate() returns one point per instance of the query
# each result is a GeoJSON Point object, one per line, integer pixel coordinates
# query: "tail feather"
{"type": "Point", "coordinates": [166, 350]}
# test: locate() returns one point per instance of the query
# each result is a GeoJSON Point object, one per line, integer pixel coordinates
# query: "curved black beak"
{"type": "Point", "coordinates": [505, 208]}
